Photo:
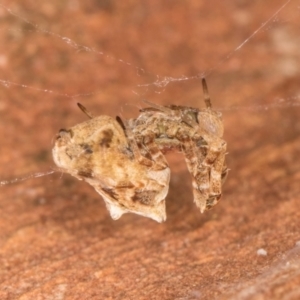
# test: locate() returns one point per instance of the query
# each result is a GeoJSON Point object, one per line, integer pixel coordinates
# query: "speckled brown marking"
{"type": "Point", "coordinates": [127, 185]}
{"type": "Point", "coordinates": [110, 192]}
{"type": "Point", "coordinates": [87, 148]}
{"type": "Point", "coordinates": [128, 152]}
{"type": "Point", "coordinates": [85, 173]}
{"type": "Point", "coordinates": [107, 138]}
{"type": "Point", "coordinates": [212, 201]}
{"type": "Point", "coordinates": [144, 197]}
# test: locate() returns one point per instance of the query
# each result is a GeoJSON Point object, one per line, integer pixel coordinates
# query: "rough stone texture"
{"type": "Point", "coordinates": [57, 240]}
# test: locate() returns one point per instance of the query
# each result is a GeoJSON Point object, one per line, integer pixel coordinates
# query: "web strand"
{"type": "Point", "coordinates": [160, 82]}
{"type": "Point", "coordinates": [30, 176]}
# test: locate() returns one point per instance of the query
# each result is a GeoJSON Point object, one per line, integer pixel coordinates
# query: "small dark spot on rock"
{"type": "Point", "coordinates": [42, 155]}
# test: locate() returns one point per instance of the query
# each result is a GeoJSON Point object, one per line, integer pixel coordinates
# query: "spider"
{"type": "Point", "coordinates": [125, 163]}
{"type": "Point", "coordinates": [196, 133]}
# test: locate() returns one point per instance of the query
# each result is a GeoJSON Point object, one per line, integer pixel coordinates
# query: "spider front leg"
{"type": "Point", "coordinates": [205, 161]}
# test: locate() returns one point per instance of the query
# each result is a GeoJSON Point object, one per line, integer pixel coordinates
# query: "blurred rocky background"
{"type": "Point", "coordinates": [57, 240]}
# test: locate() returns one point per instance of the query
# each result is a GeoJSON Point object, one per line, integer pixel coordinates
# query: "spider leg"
{"type": "Point", "coordinates": [215, 161]}
{"type": "Point", "coordinates": [198, 170]}
{"type": "Point", "coordinates": [205, 161]}
{"type": "Point", "coordinates": [224, 173]}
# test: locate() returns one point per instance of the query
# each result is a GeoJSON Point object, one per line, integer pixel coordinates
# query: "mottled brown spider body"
{"type": "Point", "coordinates": [198, 134]}
{"type": "Point", "coordinates": [98, 151]}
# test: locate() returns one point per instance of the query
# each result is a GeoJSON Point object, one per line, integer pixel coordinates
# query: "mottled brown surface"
{"type": "Point", "coordinates": [57, 240]}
